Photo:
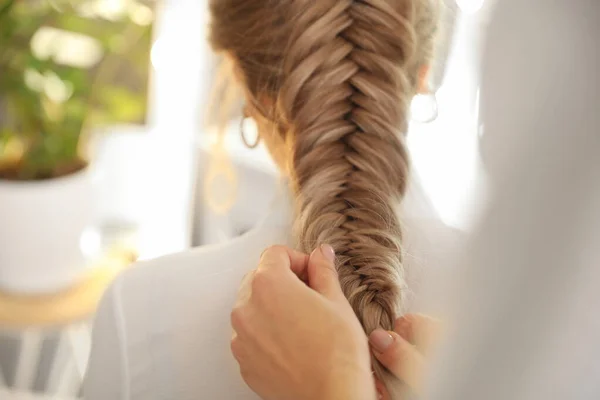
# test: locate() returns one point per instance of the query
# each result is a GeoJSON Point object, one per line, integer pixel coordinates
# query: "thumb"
{"type": "Point", "coordinates": [400, 357]}
{"type": "Point", "coordinates": [322, 275]}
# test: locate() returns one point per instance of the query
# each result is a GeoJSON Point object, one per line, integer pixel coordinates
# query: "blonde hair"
{"type": "Point", "coordinates": [339, 76]}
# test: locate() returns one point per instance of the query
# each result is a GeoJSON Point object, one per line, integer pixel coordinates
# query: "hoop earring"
{"type": "Point", "coordinates": [243, 133]}
{"type": "Point", "coordinates": [425, 108]}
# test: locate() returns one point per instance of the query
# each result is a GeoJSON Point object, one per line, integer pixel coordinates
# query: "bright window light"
{"type": "Point", "coordinates": [470, 6]}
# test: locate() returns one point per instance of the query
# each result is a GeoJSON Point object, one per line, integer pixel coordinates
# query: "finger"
{"type": "Point", "coordinates": [398, 356]}
{"type": "Point", "coordinates": [283, 258]}
{"type": "Point", "coordinates": [420, 330]}
{"type": "Point", "coordinates": [322, 275]}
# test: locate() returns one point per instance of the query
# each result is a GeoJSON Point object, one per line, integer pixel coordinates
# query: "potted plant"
{"type": "Point", "coordinates": [66, 66]}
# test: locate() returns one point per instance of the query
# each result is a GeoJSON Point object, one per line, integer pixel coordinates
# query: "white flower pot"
{"type": "Point", "coordinates": [41, 223]}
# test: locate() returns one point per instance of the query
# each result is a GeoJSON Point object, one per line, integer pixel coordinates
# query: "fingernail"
{"type": "Point", "coordinates": [328, 252]}
{"type": "Point", "coordinates": [381, 340]}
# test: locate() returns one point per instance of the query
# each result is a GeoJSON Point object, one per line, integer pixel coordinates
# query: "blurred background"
{"type": "Point", "coordinates": [104, 149]}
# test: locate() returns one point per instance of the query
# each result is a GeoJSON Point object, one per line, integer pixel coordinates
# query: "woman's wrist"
{"type": "Point", "coordinates": [361, 389]}
{"type": "Point", "coordinates": [352, 384]}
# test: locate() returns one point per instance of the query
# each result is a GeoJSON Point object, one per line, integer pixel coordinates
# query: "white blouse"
{"type": "Point", "coordinates": [162, 331]}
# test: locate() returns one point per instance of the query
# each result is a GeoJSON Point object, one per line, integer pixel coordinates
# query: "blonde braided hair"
{"type": "Point", "coordinates": [340, 75]}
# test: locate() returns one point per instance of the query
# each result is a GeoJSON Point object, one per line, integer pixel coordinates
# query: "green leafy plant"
{"type": "Point", "coordinates": [67, 66]}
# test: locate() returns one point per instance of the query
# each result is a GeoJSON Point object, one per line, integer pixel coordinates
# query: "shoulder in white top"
{"type": "Point", "coordinates": [163, 329]}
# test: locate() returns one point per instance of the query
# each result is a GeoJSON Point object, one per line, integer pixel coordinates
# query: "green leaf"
{"type": "Point", "coordinates": [5, 135]}
{"type": "Point", "coordinates": [114, 91]}
{"type": "Point", "coordinates": [122, 104]}
{"type": "Point", "coordinates": [6, 6]}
